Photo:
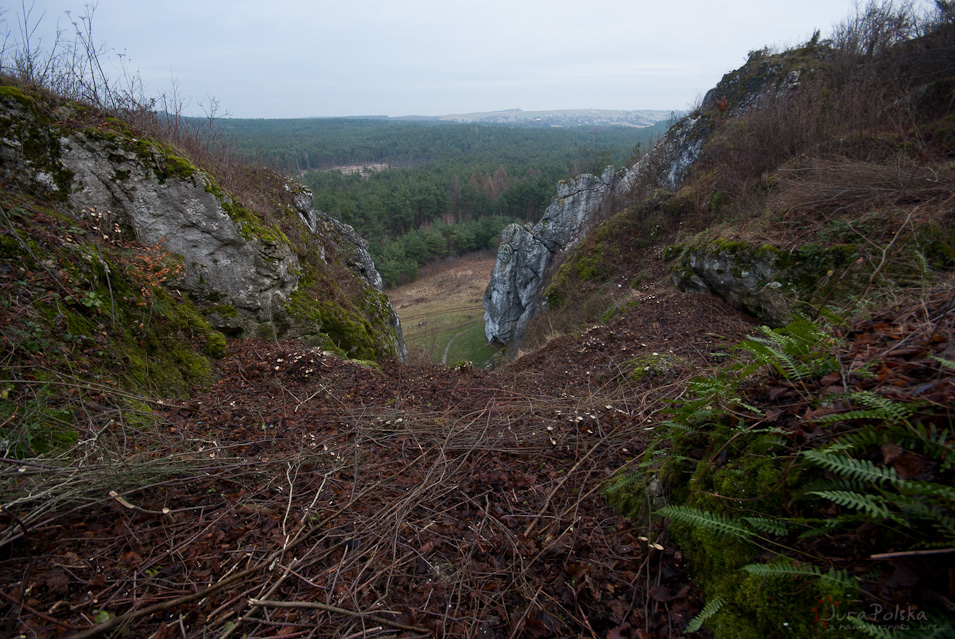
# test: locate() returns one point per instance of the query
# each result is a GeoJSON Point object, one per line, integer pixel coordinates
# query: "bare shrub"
{"type": "Point", "coordinates": [866, 101]}
{"type": "Point", "coordinates": [876, 28]}
{"type": "Point", "coordinates": [845, 186]}
{"type": "Point", "coordinates": [74, 66]}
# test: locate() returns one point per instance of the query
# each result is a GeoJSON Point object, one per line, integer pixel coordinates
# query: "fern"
{"type": "Point", "coordinates": [820, 528]}
{"type": "Point", "coordinates": [872, 505]}
{"type": "Point", "coordinates": [860, 469]}
{"type": "Point", "coordinates": [623, 482]}
{"type": "Point", "coordinates": [828, 484]}
{"type": "Point", "coordinates": [879, 408]}
{"type": "Point", "coordinates": [861, 439]}
{"type": "Point", "coordinates": [797, 351]}
{"type": "Point", "coordinates": [792, 569]}
{"type": "Point", "coordinates": [681, 426]}
{"type": "Point", "coordinates": [929, 489]}
{"type": "Point", "coordinates": [712, 522]}
{"type": "Point", "coordinates": [708, 611]}
{"type": "Point", "coordinates": [947, 363]}
{"type": "Point", "coordinates": [765, 524]}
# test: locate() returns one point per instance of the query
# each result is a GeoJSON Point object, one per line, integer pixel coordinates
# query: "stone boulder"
{"type": "Point", "coordinates": [243, 271]}
{"type": "Point", "coordinates": [755, 279]}
{"type": "Point", "coordinates": [254, 272]}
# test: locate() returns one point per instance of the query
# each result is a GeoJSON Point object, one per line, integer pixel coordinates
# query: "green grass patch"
{"type": "Point", "coordinates": [471, 345]}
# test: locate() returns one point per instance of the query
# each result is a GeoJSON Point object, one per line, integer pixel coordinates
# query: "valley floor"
{"type": "Point", "coordinates": [442, 312]}
{"type": "Point", "coordinates": [306, 496]}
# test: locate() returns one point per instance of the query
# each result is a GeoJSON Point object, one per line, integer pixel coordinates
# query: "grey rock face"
{"type": "Point", "coordinates": [757, 83]}
{"type": "Point", "coordinates": [358, 259]}
{"type": "Point", "coordinates": [185, 218]}
{"type": "Point", "coordinates": [511, 296]}
{"type": "Point", "coordinates": [750, 278]}
{"type": "Point", "coordinates": [524, 255]}
{"type": "Point", "coordinates": [244, 272]}
{"type": "Point", "coordinates": [322, 224]}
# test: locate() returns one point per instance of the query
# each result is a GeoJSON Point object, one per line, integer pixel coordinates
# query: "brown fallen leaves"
{"type": "Point", "coordinates": [306, 496]}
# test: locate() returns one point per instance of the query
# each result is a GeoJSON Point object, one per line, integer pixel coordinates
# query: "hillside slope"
{"type": "Point", "coordinates": [659, 461]}
{"type": "Point", "coordinates": [794, 477]}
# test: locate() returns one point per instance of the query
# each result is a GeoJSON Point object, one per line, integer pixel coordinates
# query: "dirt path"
{"type": "Point", "coordinates": [444, 358]}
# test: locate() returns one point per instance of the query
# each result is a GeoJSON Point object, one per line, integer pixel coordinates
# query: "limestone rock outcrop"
{"type": "Point", "coordinates": [525, 253]}
{"type": "Point", "coordinates": [244, 271]}
{"type": "Point", "coordinates": [756, 279]}
{"type": "Point", "coordinates": [185, 216]}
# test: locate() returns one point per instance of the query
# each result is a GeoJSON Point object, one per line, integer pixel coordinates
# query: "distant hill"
{"type": "Point", "coordinates": [560, 117]}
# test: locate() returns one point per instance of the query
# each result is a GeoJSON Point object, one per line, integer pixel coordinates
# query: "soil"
{"type": "Point", "coordinates": [307, 496]}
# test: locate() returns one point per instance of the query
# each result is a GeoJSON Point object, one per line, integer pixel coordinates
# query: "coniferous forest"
{"type": "Point", "coordinates": [422, 190]}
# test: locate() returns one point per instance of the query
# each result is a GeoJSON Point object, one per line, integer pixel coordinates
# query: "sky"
{"type": "Point", "coordinates": [300, 58]}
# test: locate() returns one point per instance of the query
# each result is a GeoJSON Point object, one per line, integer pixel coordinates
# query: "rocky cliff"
{"type": "Point", "coordinates": [525, 253]}
{"type": "Point", "coordinates": [297, 274]}
{"type": "Point", "coordinates": [527, 256]}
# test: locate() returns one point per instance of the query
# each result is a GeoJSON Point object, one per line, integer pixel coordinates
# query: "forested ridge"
{"type": "Point", "coordinates": [437, 188]}
{"type": "Point", "coordinates": [325, 143]}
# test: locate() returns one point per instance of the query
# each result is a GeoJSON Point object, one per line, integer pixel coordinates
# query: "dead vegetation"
{"type": "Point", "coordinates": [305, 496]}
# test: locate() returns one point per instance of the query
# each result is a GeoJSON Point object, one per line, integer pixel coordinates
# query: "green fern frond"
{"type": "Point", "coordinates": [930, 489]}
{"type": "Point", "coordinates": [933, 441]}
{"type": "Point", "coordinates": [877, 408]}
{"type": "Point", "coordinates": [873, 505]}
{"type": "Point", "coordinates": [681, 426]}
{"type": "Point", "coordinates": [895, 411]}
{"type": "Point", "coordinates": [861, 413]}
{"type": "Point", "coordinates": [921, 508]}
{"type": "Point", "coordinates": [828, 484]}
{"type": "Point", "coordinates": [798, 351]}
{"type": "Point", "coordinates": [861, 439]}
{"type": "Point", "coordinates": [860, 469]}
{"type": "Point", "coordinates": [765, 524]}
{"type": "Point", "coordinates": [708, 611]}
{"type": "Point", "coordinates": [771, 439]}
{"type": "Point", "coordinates": [622, 482]}
{"type": "Point", "coordinates": [792, 569]}
{"type": "Point", "coordinates": [947, 363]}
{"type": "Point", "coordinates": [713, 522]}
{"type": "Point", "coordinates": [817, 527]}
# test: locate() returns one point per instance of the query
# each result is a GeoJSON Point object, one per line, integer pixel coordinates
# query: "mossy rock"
{"type": "Point", "coordinates": [670, 253]}
{"type": "Point", "coordinates": [654, 366]}
{"type": "Point", "coordinates": [38, 138]}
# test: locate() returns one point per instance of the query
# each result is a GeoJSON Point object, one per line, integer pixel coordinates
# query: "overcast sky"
{"type": "Point", "coordinates": [300, 58]}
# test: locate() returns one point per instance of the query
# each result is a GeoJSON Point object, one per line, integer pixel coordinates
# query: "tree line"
{"type": "Point", "coordinates": [439, 189]}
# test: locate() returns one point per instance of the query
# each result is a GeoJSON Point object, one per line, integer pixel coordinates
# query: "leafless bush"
{"type": "Point", "coordinates": [76, 67]}
{"type": "Point", "coordinates": [876, 28]}
{"type": "Point", "coordinates": [866, 101]}
{"type": "Point", "coordinates": [846, 185]}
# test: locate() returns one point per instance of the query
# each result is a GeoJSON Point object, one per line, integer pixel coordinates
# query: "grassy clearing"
{"type": "Point", "coordinates": [442, 312]}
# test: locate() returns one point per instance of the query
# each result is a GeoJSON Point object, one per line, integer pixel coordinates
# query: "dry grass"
{"type": "Point", "coordinates": [446, 300]}
{"type": "Point", "coordinates": [841, 186]}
